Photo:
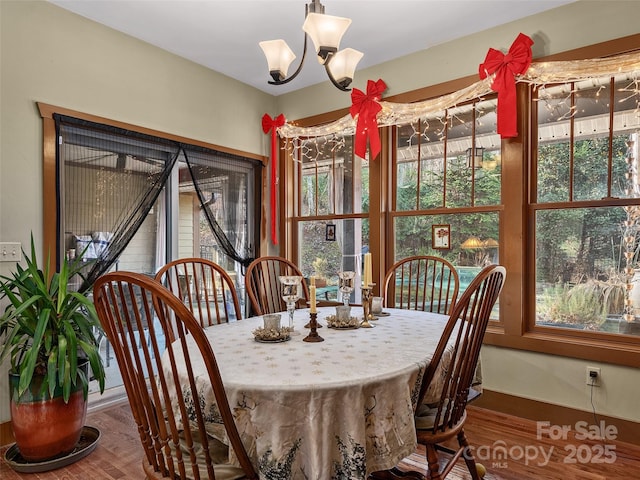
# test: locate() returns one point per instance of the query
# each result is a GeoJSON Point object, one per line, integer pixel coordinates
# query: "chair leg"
{"type": "Point", "coordinates": [467, 454]}
{"type": "Point", "coordinates": [434, 464]}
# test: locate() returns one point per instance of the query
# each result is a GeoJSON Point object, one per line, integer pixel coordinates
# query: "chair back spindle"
{"type": "Point", "coordinates": [262, 282]}
{"type": "Point", "coordinates": [422, 282]}
{"type": "Point", "coordinates": [204, 287]}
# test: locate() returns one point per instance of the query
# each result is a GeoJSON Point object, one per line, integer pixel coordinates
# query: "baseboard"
{"type": "Point", "coordinates": [627, 431]}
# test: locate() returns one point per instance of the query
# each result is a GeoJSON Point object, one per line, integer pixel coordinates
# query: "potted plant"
{"type": "Point", "coordinates": [49, 333]}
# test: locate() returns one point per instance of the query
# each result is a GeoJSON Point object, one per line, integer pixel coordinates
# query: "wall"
{"type": "Point", "coordinates": [53, 56]}
{"type": "Point", "coordinates": [562, 381]}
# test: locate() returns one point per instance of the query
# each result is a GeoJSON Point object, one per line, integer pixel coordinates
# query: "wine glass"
{"type": "Point", "coordinates": [346, 285]}
{"type": "Point", "coordinates": [291, 291]}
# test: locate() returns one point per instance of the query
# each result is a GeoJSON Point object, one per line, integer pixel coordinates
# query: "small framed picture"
{"type": "Point", "coordinates": [330, 232]}
{"type": "Point", "coordinates": [441, 237]}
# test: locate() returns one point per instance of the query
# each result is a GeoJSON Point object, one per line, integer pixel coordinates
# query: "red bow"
{"type": "Point", "coordinates": [272, 124]}
{"type": "Point", "coordinates": [367, 107]}
{"type": "Point", "coordinates": [506, 67]}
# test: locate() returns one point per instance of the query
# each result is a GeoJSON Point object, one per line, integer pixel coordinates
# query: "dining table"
{"type": "Point", "coordinates": [336, 409]}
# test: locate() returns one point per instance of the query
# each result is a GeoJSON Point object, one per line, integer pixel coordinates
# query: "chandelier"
{"type": "Point", "coordinates": [325, 31]}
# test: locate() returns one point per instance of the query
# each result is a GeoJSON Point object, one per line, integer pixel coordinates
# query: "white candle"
{"type": "Point", "coordinates": [312, 301]}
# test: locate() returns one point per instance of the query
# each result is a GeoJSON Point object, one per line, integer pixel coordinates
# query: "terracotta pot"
{"type": "Point", "coordinates": [45, 427]}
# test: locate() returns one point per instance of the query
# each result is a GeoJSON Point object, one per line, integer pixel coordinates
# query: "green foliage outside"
{"type": "Point", "coordinates": [579, 251]}
{"type": "Point", "coordinates": [586, 304]}
{"type": "Point", "coordinates": [413, 234]}
{"type": "Point", "coordinates": [320, 258]}
{"type": "Point", "coordinates": [579, 256]}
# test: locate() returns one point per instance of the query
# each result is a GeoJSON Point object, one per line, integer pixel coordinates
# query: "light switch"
{"type": "Point", "coordinates": [10, 251]}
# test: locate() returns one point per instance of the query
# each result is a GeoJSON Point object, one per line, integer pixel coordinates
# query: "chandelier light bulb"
{"type": "Point", "coordinates": [279, 58]}
{"type": "Point", "coordinates": [342, 65]}
{"type": "Point", "coordinates": [325, 31]}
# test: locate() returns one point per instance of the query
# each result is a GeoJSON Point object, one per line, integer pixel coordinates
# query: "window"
{"type": "Point", "coordinates": [448, 172]}
{"type": "Point", "coordinates": [332, 192]}
{"type": "Point", "coordinates": [558, 205]}
{"type": "Point", "coordinates": [586, 171]}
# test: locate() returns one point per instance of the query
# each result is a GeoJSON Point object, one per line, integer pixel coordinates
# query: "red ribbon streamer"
{"type": "Point", "coordinates": [506, 67]}
{"type": "Point", "coordinates": [272, 124]}
{"type": "Point", "coordinates": [366, 107]}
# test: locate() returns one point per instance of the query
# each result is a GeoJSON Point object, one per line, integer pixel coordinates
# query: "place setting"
{"type": "Point", "coordinates": [342, 320]}
{"type": "Point", "coordinates": [272, 331]}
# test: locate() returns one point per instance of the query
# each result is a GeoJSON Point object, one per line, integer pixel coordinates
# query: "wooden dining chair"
{"type": "Point", "coordinates": [422, 282]}
{"type": "Point", "coordinates": [205, 288]}
{"type": "Point", "coordinates": [179, 439]}
{"type": "Point", "coordinates": [262, 281]}
{"type": "Point", "coordinates": [449, 376]}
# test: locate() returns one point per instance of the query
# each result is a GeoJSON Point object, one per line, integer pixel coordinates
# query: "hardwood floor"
{"type": "Point", "coordinates": [119, 454]}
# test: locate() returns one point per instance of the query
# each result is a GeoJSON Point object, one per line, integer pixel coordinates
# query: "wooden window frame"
{"type": "Point", "coordinates": [516, 328]}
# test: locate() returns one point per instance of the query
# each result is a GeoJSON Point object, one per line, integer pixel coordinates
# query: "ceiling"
{"type": "Point", "coordinates": [223, 35]}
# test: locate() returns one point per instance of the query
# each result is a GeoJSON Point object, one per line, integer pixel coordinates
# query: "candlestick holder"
{"type": "Point", "coordinates": [291, 290]}
{"type": "Point", "coordinates": [308, 325]}
{"type": "Point", "coordinates": [345, 285]}
{"type": "Point", "coordinates": [367, 297]}
{"type": "Point", "coordinates": [313, 333]}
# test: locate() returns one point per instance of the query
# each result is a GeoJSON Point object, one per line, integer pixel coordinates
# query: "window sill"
{"type": "Point", "coordinates": [617, 350]}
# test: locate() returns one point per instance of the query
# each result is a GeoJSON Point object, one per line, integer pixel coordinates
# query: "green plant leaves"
{"type": "Point", "coordinates": [47, 328]}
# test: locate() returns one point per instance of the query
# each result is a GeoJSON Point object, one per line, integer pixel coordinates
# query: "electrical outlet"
{"type": "Point", "coordinates": [10, 251]}
{"type": "Point", "coordinates": [593, 376]}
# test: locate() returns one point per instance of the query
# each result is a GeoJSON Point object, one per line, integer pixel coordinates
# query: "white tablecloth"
{"type": "Point", "coordinates": [338, 409]}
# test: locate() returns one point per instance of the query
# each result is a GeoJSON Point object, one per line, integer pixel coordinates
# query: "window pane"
{"type": "Point", "coordinates": [554, 143]}
{"type": "Point", "coordinates": [474, 240]}
{"type": "Point", "coordinates": [323, 254]}
{"type": "Point", "coordinates": [590, 177]}
{"type": "Point", "coordinates": [588, 121]}
{"type": "Point", "coordinates": [580, 280]}
{"type": "Point", "coordinates": [582, 274]}
{"type": "Point", "coordinates": [332, 181]}
{"type": "Point", "coordinates": [553, 172]}
{"type": "Point", "coordinates": [471, 174]}
{"type": "Point", "coordinates": [459, 178]}
{"type": "Point", "coordinates": [591, 155]}
{"type": "Point", "coordinates": [407, 167]}
{"type": "Point", "coordinates": [626, 125]}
